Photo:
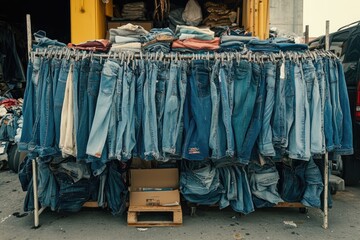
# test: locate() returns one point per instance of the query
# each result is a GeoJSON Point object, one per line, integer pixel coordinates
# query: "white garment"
{"type": "Point", "coordinates": [67, 135]}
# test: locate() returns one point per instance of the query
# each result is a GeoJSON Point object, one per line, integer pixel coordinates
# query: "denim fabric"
{"type": "Point", "coordinates": [75, 109]}
{"type": "Point", "coordinates": [292, 180]}
{"type": "Point", "coordinates": [226, 76]}
{"type": "Point", "coordinates": [139, 108]}
{"type": "Point", "coordinates": [47, 134]}
{"type": "Point", "coordinates": [99, 129]}
{"type": "Point", "coordinates": [262, 46]}
{"type": "Point", "coordinates": [29, 198]}
{"type": "Point", "coordinates": [292, 46]}
{"type": "Point", "coordinates": [157, 47]}
{"type": "Point", "coordinates": [200, 183]}
{"type": "Point", "coordinates": [263, 181]}
{"type": "Point", "coordinates": [229, 181]}
{"type": "Point", "coordinates": [197, 117]}
{"type": "Point", "coordinates": [256, 119]}
{"type": "Point", "coordinates": [59, 97]}
{"type": "Point", "coordinates": [55, 71]}
{"type": "Point", "coordinates": [245, 87]}
{"type": "Point", "coordinates": [101, 200]}
{"type": "Point", "coordinates": [299, 135]}
{"type": "Point", "coordinates": [217, 136]}
{"type": "Point", "coordinates": [346, 141]}
{"type": "Point", "coordinates": [28, 110]}
{"type": "Point", "coordinates": [243, 203]}
{"type": "Point", "coordinates": [116, 189]}
{"type": "Point", "coordinates": [265, 140]}
{"type": "Point", "coordinates": [48, 189]}
{"type": "Point", "coordinates": [319, 67]}
{"type": "Point", "coordinates": [337, 117]}
{"type": "Point", "coordinates": [150, 130]}
{"type": "Point", "coordinates": [313, 97]}
{"type": "Point", "coordinates": [163, 72]}
{"type": "Point", "coordinates": [25, 173]}
{"type": "Point", "coordinates": [321, 165]}
{"type": "Point", "coordinates": [314, 185]}
{"type": "Point", "coordinates": [173, 112]}
{"type": "Point", "coordinates": [328, 111]}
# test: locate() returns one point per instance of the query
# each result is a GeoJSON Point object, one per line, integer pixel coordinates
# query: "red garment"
{"type": "Point", "coordinates": [95, 45]}
{"type": "Point", "coordinates": [7, 103]}
{"type": "Point", "coordinates": [197, 44]}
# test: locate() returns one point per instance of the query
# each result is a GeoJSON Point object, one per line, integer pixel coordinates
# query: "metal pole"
{"type": "Point", "coordinates": [28, 30]}
{"type": "Point", "coordinates": [326, 190]}
{"type": "Point", "coordinates": [327, 40]}
{"type": "Point", "coordinates": [307, 34]}
{"type": "Point", "coordinates": [36, 200]}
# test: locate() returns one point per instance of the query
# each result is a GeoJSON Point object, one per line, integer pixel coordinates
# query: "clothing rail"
{"type": "Point", "coordinates": [176, 56]}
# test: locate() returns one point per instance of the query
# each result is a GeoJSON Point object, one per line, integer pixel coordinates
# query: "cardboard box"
{"type": "Point", "coordinates": [154, 187]}
{"type": "Point", "coordinates": [147, 25]}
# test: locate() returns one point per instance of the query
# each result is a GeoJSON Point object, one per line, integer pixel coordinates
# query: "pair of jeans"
{"type": "Point", "coordinates": [314, 185]}
{"type": "Point", "coordinates": [174, 105]}
{"type": "Point", "coordinates": [246, 87]}
{"type": "Point", "coordinates": [200, 182]}
{"type": "Point", "coordinates": [101, 121]}
{"type": "Point", "coordinates": [115, 188]}
{"type": "Point", "coordinates": [197, 115]}
{"type": "Point", "coordinates": [228, 178]}
{"type": "Point", "coordinates": [254, 128]}
{"type": "Point", "coordinates": [313, 97]}
{"type": "Point", "coordinates": [59, 97]}
{"type": "Point", "coordinates": [299, 135]}
{"type": "Point", "coordinates": [139, 108]}
{"type": "Point", "coordinates": [328, 110]}
{"type": "Point", "coordinates": [262, 46]}
{"type": "Point", "coordinates": [48, 189]}
{"type": "Point", "coordinates": [292, 180]}
{"type": "Point", "coordinates": [265, 140]}
{"type": "Point", "coordinates": [217, 138]}
{"type": "Point", "coordinates": [264, 179]}
{"type": "Point", "coordinates": [346, 141]}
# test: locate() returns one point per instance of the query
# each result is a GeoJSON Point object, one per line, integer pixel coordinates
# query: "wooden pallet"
{"type": "Point", "coordinates": [135, 211]}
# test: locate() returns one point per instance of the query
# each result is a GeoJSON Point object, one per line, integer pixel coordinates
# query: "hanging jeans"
{"type": "Point", "coordinates": [139, 109]}
{"type": "Point", "coordinates": [197, 115]}
{"type": "Point", "coordinates": [314, 185]}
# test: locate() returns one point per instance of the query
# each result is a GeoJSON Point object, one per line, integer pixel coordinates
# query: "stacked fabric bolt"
{"type": "Point", "coordinates": [127, 38]}
{"type": "Point", "coordinates": [194, 39]}
{"type": "Point", "coordinates": [158, 40]}
{"type": "Point", "coordinates": [218, 15]}
{"type": "Point", "coordinates": [134, 11]}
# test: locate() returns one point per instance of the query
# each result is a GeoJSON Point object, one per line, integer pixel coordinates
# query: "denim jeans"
{"type": "Point", "coordinates": [173, 112]}
{"type": "Point", "coordinates": [299, 135]}
{"type": "Point", "coordinates": [226, 76]}
{"type": "Point", "coordinates": [139, 108]}
{"type": "Point", "coordinates": [217, 137]}
{"type": "Point", "coordinates": [314, 185]}
{"type": "Point", "coordinates": [313, 97]}
{"type": "Point", "coordinates": [55, 72]}
{"type": "Point", "coordinates": [150, 128]}
{"type": "Point", "coordinates": [265, 140]}
{"type": "Point", "coordinates": [48, 189]}
{"type": "Point", "coordinates": [229, 181]}
{"type": "Point", "coordinates": [197, 116]}
{"type": "Point", "coordinates": [243, 203]}
{"type": "Point", "coordinates": [292, 180]}
{"type": "Point", "coordinates": [99, 129]}
{"type": "Point", "coordinates": [47, 134]}
{"type": "Point", "coordinates": [347, 135]}
{"type": "Point", "coordinates": [116, 189]}
{"type": "Point", "coordinates": [245, 87]}
{"type": "Point", "coordinates": [262, 46]}
{"type": "Point", "coordinates": [254, 128]}
{"type": "Point", "coordinates": [59, 97]}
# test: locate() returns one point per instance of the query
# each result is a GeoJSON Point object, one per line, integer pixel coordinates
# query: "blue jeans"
{"type": "Point", "coordinates": [245, 87]}
{"type": "Point", "coordinates": [150, 128]}
{"type": "Point", "coordinates": [48, 188]}
{"type": "Point", "coordinates": [59, 97]}
{"type": "Point", "coordinates": [197, 116]}
{"type": "Point", "coordinates": [139, 108]}
{"type": "Point", "coordinates": [347, 134]}
{"type": "Point", "coordinates": [313, 97]}
{"type": "Point", "coordinates": [328, 110]}
{"type": "Point", "coordinates": [173, 112]}
{"type": "Point", "coordinates": [299, 136]}
{"type": "Point", "coordinates": [265, 140]}
{"type": "Point", "coordinates": [99, 129]}
{"type": "Point", "coordinates": [217, 137]}
{"type": "Point", "coordinates": [256, 118]}
{"type": "Point", "coordinates": [314, 185]}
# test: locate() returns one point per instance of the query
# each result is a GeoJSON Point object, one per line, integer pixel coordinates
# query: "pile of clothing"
{"type": "Point", "coordinates": [158, 40]}
{"type": "Point", "coordinates": [193, 39]}
{"type": "Point", "coordinates": [218, 15]}
{"type": "Point", "coordinates": [127, 38]}
{"type": "Point", "coordinates": [134, 11]}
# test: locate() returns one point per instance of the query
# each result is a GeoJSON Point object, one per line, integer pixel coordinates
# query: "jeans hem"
{"type": "Point", "coordinates": [297, 157]}
{"type": "Point", "coordinates": [349, 151]}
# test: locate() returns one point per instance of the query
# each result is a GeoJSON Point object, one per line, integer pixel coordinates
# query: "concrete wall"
{"type": "Point", "coordinates": [287, 15]}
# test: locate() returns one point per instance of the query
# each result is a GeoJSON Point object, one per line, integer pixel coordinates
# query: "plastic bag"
{"type": "Point", "coordinates": [192, 14]}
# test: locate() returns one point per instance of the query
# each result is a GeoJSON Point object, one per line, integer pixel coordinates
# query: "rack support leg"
{"type": "Point", "coordinates": [326, 190]}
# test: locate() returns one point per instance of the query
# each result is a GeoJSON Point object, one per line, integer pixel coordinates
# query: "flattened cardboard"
{"type": "Point", "coordinates": [154, 178]}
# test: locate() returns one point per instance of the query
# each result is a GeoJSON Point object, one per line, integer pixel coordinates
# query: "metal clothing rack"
{"type": "Point", "coordinates": [251, 56]}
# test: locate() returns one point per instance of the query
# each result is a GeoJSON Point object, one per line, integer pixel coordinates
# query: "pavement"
{"type": "Point", "coordinates": [207, 222]}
